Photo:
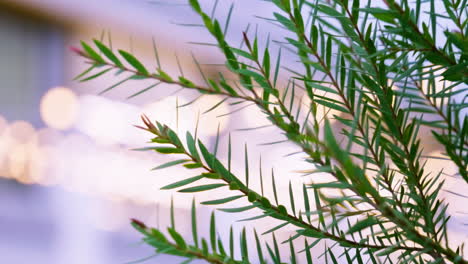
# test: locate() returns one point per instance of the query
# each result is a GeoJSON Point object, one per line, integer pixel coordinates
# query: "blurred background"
{"type": "Point", "coordinates": [69, 181]}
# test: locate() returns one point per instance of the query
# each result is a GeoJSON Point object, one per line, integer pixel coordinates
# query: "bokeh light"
{"type": "Point", "coordinates": [17, 163]}
{"type": "Point", "coordinates": [20, 132]}
{"type": "Point", "coordinates": [59, 108]}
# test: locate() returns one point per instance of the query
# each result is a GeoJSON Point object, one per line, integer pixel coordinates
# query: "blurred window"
{"type": "Point", "coordinates": [31, 58]}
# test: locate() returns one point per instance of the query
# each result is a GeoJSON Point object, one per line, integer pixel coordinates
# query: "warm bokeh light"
{"type": "Point", "coordinates": [17, 162]}
{"type": "Point", "coordinates": [21, 132]}
{"type": "Point", "coordinates": [37, 165]}
{"type": "Point", "coordinates": [25, 154]}
{"type": "Point", "coordinates": [15, 143]}
{"type": "Point", "coordinates": [59, 108]}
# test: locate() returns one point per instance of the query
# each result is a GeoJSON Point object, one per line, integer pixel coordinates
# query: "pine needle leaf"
{"type": "Point", "coordinates": [246, 162]}
{"type": "Point", "coordinates": [194, 223]}
{"type": "Point", "coordinates": [273, 185]}
{"type": "Point", "coordinates": [291, 199]}
{"type": "Point", "coordinates": [259, 247]}
{"type": "Point", "coordinates": [238, 209]}
{"type": "Point", "coordinates": [223, 200]}
{"type": "Point", "coordinates": [365, 223]}
{"type": "Point", "coordinates": [213, 231]}
{"type": "Point", "coordinates": [182, 182]}
{"type": "Point", "coordinates": [134, 62]}
{"type": "Point", "coordinates": [177, 238]}
{"type": "Point", "coordinates": [108, 53]}
{"type": "Point", "coordinates": [244, 248]}
{"type": "Point", "coordinates": [92, 53]}
{"type": "Point", "coordinates": [144, 90]}
{"type": "Point", "coordinates": [170, 164]}
{"type": "Point", "coordinates": [202, 188]}
{"type": "Point", "coordinates": [231, 242]}
{"type": "Point", "coordinates": [275, 228]}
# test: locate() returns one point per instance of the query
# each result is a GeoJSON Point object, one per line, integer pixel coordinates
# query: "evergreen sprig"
{"type": "Point", "coordinates": [378, 67]}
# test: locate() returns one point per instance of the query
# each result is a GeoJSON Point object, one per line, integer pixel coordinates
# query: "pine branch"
{"type": "Point", "coordinates": [163, 246]}
{"type": "Point", "coordinates": [399, 138]}
{"type": "Point", "coordinates": [215, 170]}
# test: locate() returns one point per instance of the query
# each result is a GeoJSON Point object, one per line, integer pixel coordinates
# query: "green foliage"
{"type": "Point", "coordinates": [387, 207]}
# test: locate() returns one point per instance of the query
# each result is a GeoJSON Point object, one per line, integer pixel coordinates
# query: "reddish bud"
{"type": "Point", "coordinates": [246, 39]}
{"type": "Point", "coordinates": [140, 127]}
{"type": "Point", "coordinates": [138, 223]}
{"type": "Point", "coordinates": [148, 124]}
{"type": "Point", "coordinates": [77, 51]}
